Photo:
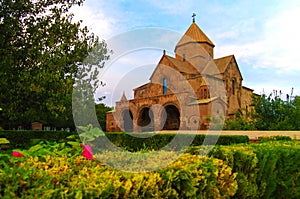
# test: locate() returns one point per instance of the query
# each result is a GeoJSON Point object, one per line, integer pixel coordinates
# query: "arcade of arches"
{"type": "Point", "coordinates": [162, 105]}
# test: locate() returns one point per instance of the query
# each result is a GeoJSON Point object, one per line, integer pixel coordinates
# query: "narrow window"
{"type": "Point", "coordinates": [165, 86]}
{"type": "Point", "coordinates": [233, 85]}
{"type": "Point", "coordinates": [205, 93]}
{"type": "Point", "coordinates": [184, 58]}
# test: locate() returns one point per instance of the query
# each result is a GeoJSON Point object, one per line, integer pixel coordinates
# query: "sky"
{"type": "Point", "coordinates": [262, 34]}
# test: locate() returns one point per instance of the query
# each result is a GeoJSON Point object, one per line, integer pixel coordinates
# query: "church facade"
{"type": "Point", "coordinates": [185, 92]}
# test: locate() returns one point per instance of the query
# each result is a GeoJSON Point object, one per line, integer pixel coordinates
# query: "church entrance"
{"type": "Point", "coordinates": [128, 121]}
{"type": "Point", "coordinates": [173, 118]}
{"type": "Point", "coordinates": [146, 120]}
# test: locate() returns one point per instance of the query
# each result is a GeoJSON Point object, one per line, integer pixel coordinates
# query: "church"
{"type": "Point", "coordinates": [186, 92]}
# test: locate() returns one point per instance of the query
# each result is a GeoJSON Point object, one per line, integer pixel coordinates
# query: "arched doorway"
{"type": "Point", "coordinates": [128, 120]}
{"type": "Point", "coordinates": [173, 118]}
{"type": "Point", "coordinates": [146, 120]}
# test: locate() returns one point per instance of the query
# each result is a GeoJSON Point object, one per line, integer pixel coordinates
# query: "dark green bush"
{"type": "Point", "coordinates": [274, 138]}
{"type": "Point", "coordinates": [136, 142]}
{"type": "Point", "coordinates": [25, 139]}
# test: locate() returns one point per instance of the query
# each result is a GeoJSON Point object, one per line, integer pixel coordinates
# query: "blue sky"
{"type": "Point", "coordinates": [262, 34]}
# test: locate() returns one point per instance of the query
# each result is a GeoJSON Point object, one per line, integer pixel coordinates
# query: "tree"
{"type": "Point", "coordinates": [41, 50]}
{"type": "Point", "coordinates": [101, 110]}
{"type": "Point", "coordinates": [273, 113]}
{"type": "Point", "coordinates": [269, 113]}
{"type": "Point", "coordinates": [240, 122]}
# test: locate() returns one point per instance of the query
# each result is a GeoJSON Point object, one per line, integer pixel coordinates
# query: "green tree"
{"type": "Point", "coordinates": [41, 50]}
{"type": "Point", "coordinates": [101, 110]}
{"type": "Point", "coordinates": [274, 113]}
{"type": "Point", "coordinates": [240, 122]}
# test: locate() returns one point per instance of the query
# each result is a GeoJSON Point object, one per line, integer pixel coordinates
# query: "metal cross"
{"type": "Point", "coordinates": [194, 15]}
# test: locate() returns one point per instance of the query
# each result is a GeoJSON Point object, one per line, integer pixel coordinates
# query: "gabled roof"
{"type": "Point", "coordinates": [194, 34]}
{"type": "Point", "coordinates": [183, 66]}
{"type": "Point", "coordinates": [180, 66]}
{"type": "Point", "coordinates": [223, 62]}
{"type": "Point", "coordinates": [142, 86]}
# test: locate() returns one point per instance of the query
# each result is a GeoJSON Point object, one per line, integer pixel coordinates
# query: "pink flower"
{"type": "Point", "coordinates": [17, 154]}
{"type": "Point", "coordinates": [87, 152]}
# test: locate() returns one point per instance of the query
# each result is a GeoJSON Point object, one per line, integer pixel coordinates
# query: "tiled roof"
{"type": "Point", "coordinates": [142, 86]}
{"type": "Point", "coordinates": [223, 62]}
{"type": "Point", "coordinates": [194, 33]}
{"type": "Point", "coordinates": [182, 66]}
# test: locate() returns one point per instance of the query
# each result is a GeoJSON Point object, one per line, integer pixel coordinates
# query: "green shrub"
{"type": "Point", "coordinates": [274, 138]}
{"type": "Point", "coordinates": [267, 170]}
{"type": "Point", "coordinates": [59, 176]}
{"type": "Point", "coordinates": [136, 142]}
{"type": "Point", "coordinates": [26, 139]}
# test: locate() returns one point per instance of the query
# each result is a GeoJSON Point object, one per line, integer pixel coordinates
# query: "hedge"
{"type": "Point", "coordinates": [129, 141]}
{"type": "Point", "coordinates": [266, 170]}
{"type": "Point", "coordinates": [58, 176]}
{"type": "Point", "coordinates": [25, 139]}
{"type": "Point", "coordinates": [136, 142]}
{"type": "Point", "coordinates": [57, 170]}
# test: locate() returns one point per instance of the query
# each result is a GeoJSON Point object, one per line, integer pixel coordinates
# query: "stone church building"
{"type": "Point", "coordinates": [184, 92]}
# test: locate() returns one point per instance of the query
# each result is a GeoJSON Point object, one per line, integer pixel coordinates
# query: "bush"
{"type": "Point", "coordinates": [58, 176]}
{"type": "Point", "coordinates": [136, 142]}
{"type": "Point", "coordinates": [274, 138]}
{"type": "Point", "coordinates": [26, 139]}
{"type": "Point", "coordinates": [267, 170]}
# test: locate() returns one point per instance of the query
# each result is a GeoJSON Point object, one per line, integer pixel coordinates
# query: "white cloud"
{"type": "Point", "coordinates": [276, 46]}
{"type": "Point", "coordinates": [95, 19]}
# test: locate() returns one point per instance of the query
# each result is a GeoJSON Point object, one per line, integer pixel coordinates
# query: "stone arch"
{"type": "Point", "coordinates": [172, 122]}
{"type": "Point", "coordinates": [145, 119]}
{"type": "Point", "coordinates": [127, 120]}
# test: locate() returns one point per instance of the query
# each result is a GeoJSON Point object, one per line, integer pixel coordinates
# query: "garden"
{"type": "Point", "coordinates": [61, 165]}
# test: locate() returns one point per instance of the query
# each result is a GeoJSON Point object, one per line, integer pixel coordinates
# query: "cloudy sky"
{"type": "Point", "coordinates": [264, 36]}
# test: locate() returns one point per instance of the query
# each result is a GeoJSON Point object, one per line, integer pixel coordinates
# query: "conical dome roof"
{"type": "Point", "coordinates": [194, 33]}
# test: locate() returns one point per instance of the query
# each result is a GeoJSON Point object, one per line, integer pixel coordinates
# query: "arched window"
{"type": "Point", "coordinates": [165, 86]}
{"type": "Point", "coordinates": [184, 58]}
{"type": "Point", "coordinates": [205, 93]}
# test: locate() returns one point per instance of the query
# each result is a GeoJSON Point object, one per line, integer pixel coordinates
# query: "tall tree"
{"type": "Point", "coordinates": [40, 52]}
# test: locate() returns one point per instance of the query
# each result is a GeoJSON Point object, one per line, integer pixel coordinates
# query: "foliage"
{"type": "Point", "coordinates": [267, 170]}
{"type": "Point", "coordinates": [89, 133]}
{"type": "Point", "coordinates": [269, 113]}
{"type": "Point", "coordinates": [4, 141]}
{"type": "Point", "coordinates": [50, 169]}
{"type": "Point", "coordinates": [273, 113]}
{"type": "Point", "coordinates": [25, 139]}
{"type": "Point", "coordinates": [274, 138]}
{"type": "Point", "coordinates": [41, 50]}
{"type": "Point", "coordinates": [140, 141]}
{"type": "Point", "coordinates": [101, 110]}
{"type": "Point", "coordinates": [240, 122]}
{"type": "Point", "coordinates": [57, 172]}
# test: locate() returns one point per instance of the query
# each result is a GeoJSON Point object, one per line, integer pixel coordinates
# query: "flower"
{"type": "Point", "coordinates": [87, 152]}
{"type": "Point", "coordinates": [81, 145]}
{"type": "Point", "coordinates": [17, 154]}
